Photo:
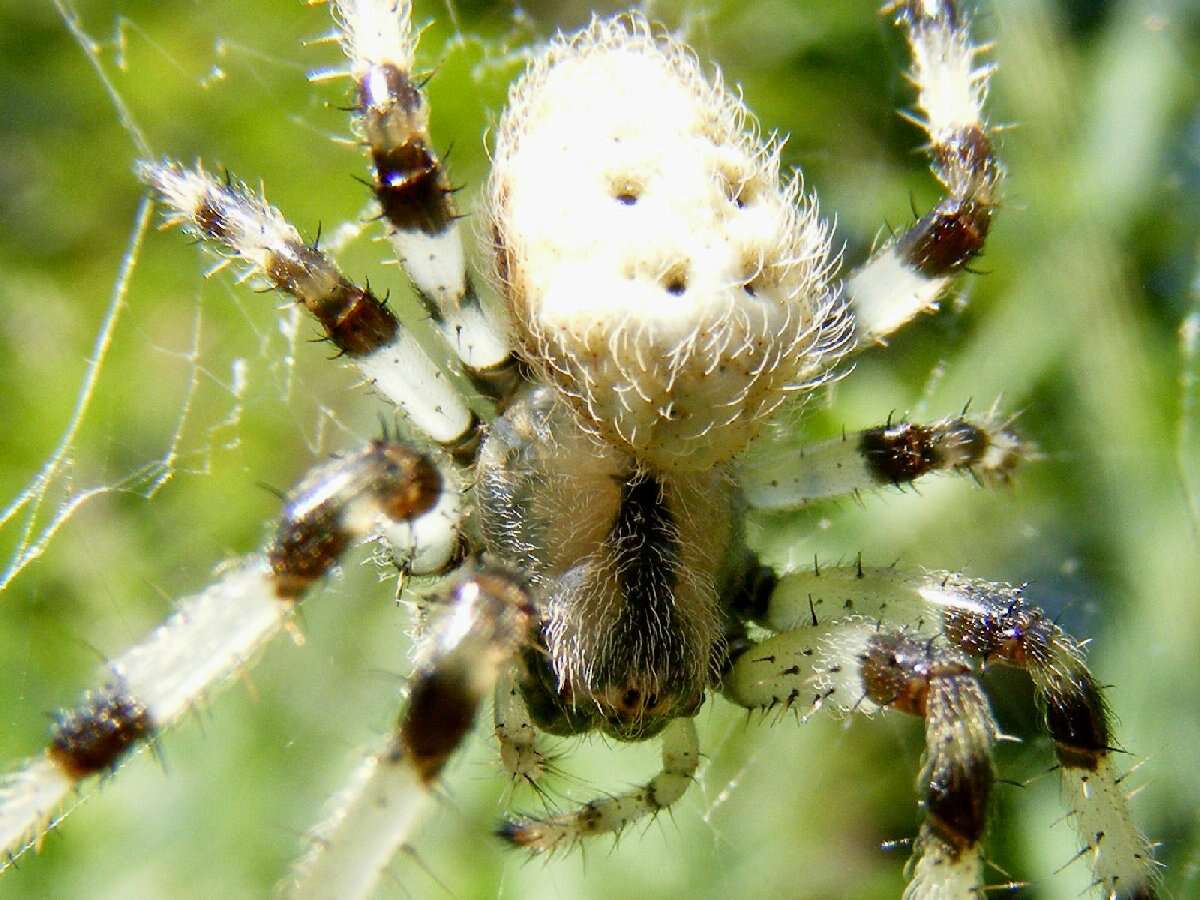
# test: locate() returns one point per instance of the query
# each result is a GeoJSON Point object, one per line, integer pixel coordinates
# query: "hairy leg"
{"type": "Point", "coordinates": [907, 275]}
{"type": "Point", "coordinates": [896, 453]}
{"type": "Point", "coordinates": [987, 621]}
{"type": "Point", "coordinates": [856, 665]}
{"type": "Point", "coordinates": [221, 630]}
{"type": "Point", "coordinates": [481, 627]}
{"type": "Point", "coordinates": [611, 814]}
{"type": "Point", "coordinates": [413, 188]}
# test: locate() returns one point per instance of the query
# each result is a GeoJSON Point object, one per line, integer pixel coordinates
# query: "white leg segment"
{"type": "Point", "coordinates": [30, 799]}
{"type": "Point", "coordinates": [410, 181]}
{"type": "Point", "coordinates": [990, 622]}
{"type": "Point", "coordinates": [887, 293]}
{"type": "Point", "coordinates": [516, 735]}
{"type": "Point", "coordinates": [908, 274]}
{"type": "Point", "coordinates": [212, 636]}
{"type": "Point", "coordinates": [804, 669]}
{"type": "Point", "coordinates": [1120, 856]}
{"type": "Point", "coordinates": [611, 814]}
{"type": "Point", "coordinates": [370, 819]}
{"type": "Point", "coordinates": [402, 372]}
{"type": "Point", "coordinates": [436, 265]}
{"type": "Point", "coordinates": [244, 226]}
{"type": "Point", "coordinates": [941, 874]}
{"type": "Point", "coordinates": [472, 642]}
{"type": "Point", "coordinates": [824, 593]}
{"type": "Point", "coordinates": [895, 454]}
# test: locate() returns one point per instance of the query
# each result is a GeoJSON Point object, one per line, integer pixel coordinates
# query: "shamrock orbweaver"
{"type": "Point", "coordinates": [631, 690]}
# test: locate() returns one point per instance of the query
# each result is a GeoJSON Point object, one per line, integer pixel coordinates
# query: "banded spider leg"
{"type": "Point", "coordinates": [861, 639]}
{"type": "Point", "coordinates": [384, 489]}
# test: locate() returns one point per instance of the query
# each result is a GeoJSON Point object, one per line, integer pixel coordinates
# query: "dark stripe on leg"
{"type": "Point", "coordinates": [96, 735]}
{"type": "Point", "coordinates": [312, 535]}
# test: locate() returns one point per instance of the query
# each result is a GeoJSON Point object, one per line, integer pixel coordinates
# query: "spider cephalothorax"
{"type": "Point", "coordinates": [630, 563]}
{"type": "Point", "coordinates": [663, 290]}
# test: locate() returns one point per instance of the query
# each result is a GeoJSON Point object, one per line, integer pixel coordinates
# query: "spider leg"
{"type": "Point", "coordinates": [216, 633]}
{"type": "Point", "coordinates": [516, 734]}
{"type": "Point", "coordinates": [855, 665]}
{"type": "Point", "coordinates": [990, 622]}
{"type": "Point", "coordinates": [239, 222]}
{"type": "Point", "coordinates": [413, 189]}
{"type": "Point", "coordinates": [611, 814]}
{"type": "Point", "coordinates": [896, 453]}
{"type": "Point", "coordinates": [907, 275]}
{"type": "Point", "coordinates": [484, 621]}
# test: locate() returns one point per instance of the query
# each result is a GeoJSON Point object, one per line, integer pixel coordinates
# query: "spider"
{"type": "Point", "coordinates": [649, 346]}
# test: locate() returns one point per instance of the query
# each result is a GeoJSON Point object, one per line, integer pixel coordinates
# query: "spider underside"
{"type": "Point", "coordinates": [664, 293]}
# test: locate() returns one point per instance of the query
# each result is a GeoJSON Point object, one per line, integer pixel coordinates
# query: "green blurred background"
{"type": "Point", "coordinates": [206, 391]}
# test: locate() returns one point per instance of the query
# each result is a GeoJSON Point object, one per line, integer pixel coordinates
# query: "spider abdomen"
{"type": "Point", "coordinates": [662, 275]}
